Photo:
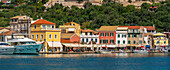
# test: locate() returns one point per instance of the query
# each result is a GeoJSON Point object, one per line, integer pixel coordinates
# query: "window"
{"type": "Point", "coordinates": [118, 41]}
{"type": "Point", "coordinates": [123, 41]}
{"type": "Point", "coordinates": [41, 36]}
{"type": "Point", "coordinates": [90, 33]}
{"type": "Point", "coordinates": [106, 34]}
{"type": "Point", "coordinates": [118, 35]}
{"type": "Point", "coordinates": [32, 36]}
{"type": "Point", "coordinates": [129, 42]}
{"type": "Point", "coordinates": [95, 40]}
{"type": "Point", "coordinates": [164, 42]}
{"type": "Point", "coordinates": [82, 39]}
{"type": "Point", "coordinates": [92, 39]}
{"type": "Point", "coordinates": [34, 26]}
{"type": "Point", "coordinates": [43, 26]}
{"type": "Point", "coordinates": [48, 26]}
{"type": "Point", "coordinates": [125, 36]}
{"type": "Point", "coordinates": [87, 40]}
{"type": "Point", "coordinates": [50, 36]}
{"type": "Point", "coordinates": [134, 35]}
{"type": "Point", "coordinates": [140, 35]}
{"type": "Point", "coordinates": [134, 42]}
{"type": "Point", "coordinates": [128, 35]}
{"type": "Point", "coordinates": [64, 31]}
{"type": "Point", "coordinates": [140, 42]}
{"type": "Point", "coordinates": [52, 26]}
{"type": "Point", "coordinates": [111, 41]}
{"type": "Point", "coordinates": [106, 41]}
{"type": "Point", "coordinates": [101, 41]}
{"type": "Point", "coordinates": [102, 34]}
{"type": "Point", "coordinates": [37, 36]}
{"type": "Point", "coordinates": [111, 34]}
{"type": "Point", "coordinates": [86, 33]}
{"type": "Point", "coordinates": [122, 35]}
{"type": "Point", "coordinates": [55, 36]}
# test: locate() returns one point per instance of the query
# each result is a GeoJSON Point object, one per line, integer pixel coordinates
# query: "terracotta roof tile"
{"type": "Point", "coordinates": [16, 17]}
{"type": "Point", "coordinates": [88, 30]}
{"type": "Point", "coordinates": [131, 27]}
{"type": "Point", "coordinates": [1, 28]}
{"type": "Point", "coordinates": [42, 21]}
{"type": "Point", "coordinates": [107, 28]}
{"type": "Point", "coordinates": [4, 28]}
{"type": "Point", "coordinates": [66, 35]}
{"type": "Point", "coordinates": [7, 33]}
{"type": "Point", "coordinates": [71, 23]}
{"type": "Point", "coordinates": [149, 27]}
{"type": "Point", "coordinates": [4, 1]}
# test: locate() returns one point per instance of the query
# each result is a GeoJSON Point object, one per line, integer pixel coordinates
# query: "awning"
{"type": "Point", "coordinates": [163, 46]}
{"type": "Point", "coordinates": [71, 29]}
{"type": "Point", "coordinates": [147, 46]}
{"type": "Point", "coordinates": [142, 46]}
{"type": "Point", "coordinates": [54, 44]}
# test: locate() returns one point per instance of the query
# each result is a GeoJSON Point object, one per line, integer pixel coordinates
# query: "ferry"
{"type": "Point", "coordinates": [5, 48]}
{"type": "Point", "coordinates": [25, 46]}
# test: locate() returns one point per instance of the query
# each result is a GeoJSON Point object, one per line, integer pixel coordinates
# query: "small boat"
{"type": "Point", "coordinates": [25, 46]}
{"type": "Point", "coordinates": [140, 51]}
{"type": "Point", "coordinates": [6, 49]}
{"type": "Point", "coordinates": [105, 52]}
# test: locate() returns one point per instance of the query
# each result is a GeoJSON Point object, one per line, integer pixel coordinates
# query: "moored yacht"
{"type": "Point", "coordinates": [25, 46]}
{"type": "Point", "coordinates": [5, 48]}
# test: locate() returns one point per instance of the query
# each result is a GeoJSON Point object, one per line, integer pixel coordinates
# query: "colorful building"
{"type": "Point", "coordinates": [4, 29]}
{"type": "Point", "coordinates": [121, 37]}
{"type": "Point", "coordinates": [70, 27]}
{"type": "Point", "coordinates": [43, 30]}
{"type": "Point", "coordinates": [107, 36]}
{"type": "Point", "coordinates": [88, 36]}
{"type": "Point", "coordinates": [135, 37]}
{"type": "Point", "coordinates": [5, 36]}
{"type": "Point", "coordinates": [160, 40]}
{"type": "Point", "coordinates": [21, 24]}
{"type": "Point", "coordinates": [148, 41]}
{"type": "Point", "coordinates": [70, 41]}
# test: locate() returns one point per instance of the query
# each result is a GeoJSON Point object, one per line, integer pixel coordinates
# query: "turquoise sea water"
{"type": "Point", "coordinates": [158, 61]}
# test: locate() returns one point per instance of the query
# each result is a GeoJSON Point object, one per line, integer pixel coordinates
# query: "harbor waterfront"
{"type": "Point", "coordinates": [115, 61]}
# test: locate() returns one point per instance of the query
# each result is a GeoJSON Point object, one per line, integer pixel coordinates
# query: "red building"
{"type": "Point", "coordinates": [107, 36]}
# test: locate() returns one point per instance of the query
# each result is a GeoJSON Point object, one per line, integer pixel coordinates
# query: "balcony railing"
{"type": "Point", "coordinates": [89, 35]}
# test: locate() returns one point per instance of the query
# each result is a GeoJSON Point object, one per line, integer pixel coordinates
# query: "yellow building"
{"type": "Point", "coordinates": [160, 40]}
{"type": "Point", "coordinates": [70, 27]}
{"type": "Point", "coordinates": [43, 30]}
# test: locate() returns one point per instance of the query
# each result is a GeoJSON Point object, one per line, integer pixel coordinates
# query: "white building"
{"type": "Point", "coordinates": [121, 36]}
{"type": "Point", "coordinates": [87, 36]}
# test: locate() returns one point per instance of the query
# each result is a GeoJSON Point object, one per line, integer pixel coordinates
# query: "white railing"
{"type": "Point", "coordinates": [89, 35]}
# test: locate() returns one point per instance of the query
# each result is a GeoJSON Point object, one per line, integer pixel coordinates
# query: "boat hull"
{"type": "Point", "coordinates": [140, 51]}
{"type": "Point", "coordinates": [7, 50]}
{"type": "Point", "coordinates": [28, 49]}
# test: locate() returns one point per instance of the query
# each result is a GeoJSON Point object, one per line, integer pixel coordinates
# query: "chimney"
{"type": "Point", "coordinates": [153, 25]}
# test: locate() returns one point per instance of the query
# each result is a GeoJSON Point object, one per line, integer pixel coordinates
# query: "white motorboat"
{"type": "Point", "coordinates": [105, 52]}
{"type": "Point", "coordinates": [6, 49]}
{"type": "Point", "coordinates": [140, 51]}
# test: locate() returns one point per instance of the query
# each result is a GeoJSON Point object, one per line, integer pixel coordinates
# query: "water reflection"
{"type": "Point", "coordinates": [113, 55]}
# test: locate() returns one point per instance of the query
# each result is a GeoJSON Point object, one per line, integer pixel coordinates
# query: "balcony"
{"type": "Point", "coordinates": [89, 36]}
{"type": "Point", "coordinates": [23, 28]}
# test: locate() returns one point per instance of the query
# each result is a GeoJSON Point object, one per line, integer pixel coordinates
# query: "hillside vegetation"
{"type": "Point", "coordinates": [110, 13]}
